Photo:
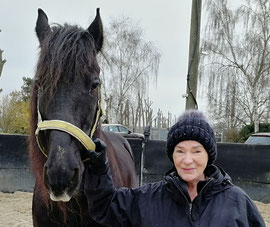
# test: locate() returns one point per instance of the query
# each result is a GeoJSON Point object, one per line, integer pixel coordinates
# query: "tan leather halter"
{"type": "Point", "coordinates": [69, 128]}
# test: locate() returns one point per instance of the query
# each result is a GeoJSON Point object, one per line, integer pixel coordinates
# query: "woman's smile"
{"type": "Point", "coordinates": [188, 169]}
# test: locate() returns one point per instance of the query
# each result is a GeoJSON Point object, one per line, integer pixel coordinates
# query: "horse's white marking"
{"type": "Point", "coordinates": [64, 197]}
{"type": "Point", "coordinates": [60, 149]}
{"type": "Point", "coordinates": [60, 153]}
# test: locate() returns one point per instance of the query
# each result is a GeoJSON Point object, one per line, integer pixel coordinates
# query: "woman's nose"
{"type": "Point", "coordinates": [188, 158]}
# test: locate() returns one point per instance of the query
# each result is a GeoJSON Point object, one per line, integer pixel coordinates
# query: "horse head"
{"type": "Point", "coordinates": [67, 78]}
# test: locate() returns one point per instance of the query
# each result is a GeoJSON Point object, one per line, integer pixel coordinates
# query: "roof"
{"type": "Point", "coordinates": [261, 134]}
{"type": "Point", "coordinates": [112, 125]}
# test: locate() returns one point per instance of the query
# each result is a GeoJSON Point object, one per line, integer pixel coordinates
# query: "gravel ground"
{"type": "Point", "coordinates": [15, 210]}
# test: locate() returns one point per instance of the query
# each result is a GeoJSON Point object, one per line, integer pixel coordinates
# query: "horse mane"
{"type": "Point", "coordinates": [66, 52]}
{"type": "Point", "coordinates": [37, 159]}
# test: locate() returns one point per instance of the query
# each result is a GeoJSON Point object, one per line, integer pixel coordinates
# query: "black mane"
{"type": "Point", "coordinates": [64, 55]}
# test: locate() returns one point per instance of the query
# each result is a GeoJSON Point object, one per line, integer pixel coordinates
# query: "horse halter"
{"type": "Point", "coordinates": [69, 128]}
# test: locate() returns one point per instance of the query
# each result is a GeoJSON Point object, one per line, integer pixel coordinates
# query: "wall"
{"type": "Point", "coordinates": [248, 165]}
{"type": "Point", "coordinates": [15, 174]}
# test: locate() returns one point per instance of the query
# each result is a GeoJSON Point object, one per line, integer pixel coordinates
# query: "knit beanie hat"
{"type": "Point", "coordinates": [192, 125]}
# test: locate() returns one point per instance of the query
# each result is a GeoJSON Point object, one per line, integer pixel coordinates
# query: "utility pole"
{"type": "Point", "coordinates": [2, 61]}
{"type": "Point", "coordinates": [194, 43]}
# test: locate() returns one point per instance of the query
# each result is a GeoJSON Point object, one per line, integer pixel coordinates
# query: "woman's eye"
{"type": "Point", "coordinates": [179, 151]}
{"type": "Point", "coordinates": [197, 152]}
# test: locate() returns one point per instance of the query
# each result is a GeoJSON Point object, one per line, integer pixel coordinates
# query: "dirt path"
{"type": "Point", "coordinates": [265, 211]}
{"type": "Point", "coordinates": [15, 210]}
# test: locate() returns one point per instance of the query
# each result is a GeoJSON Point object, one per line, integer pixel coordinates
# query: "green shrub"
{"type": "Point", "coordinates": [246, 131]}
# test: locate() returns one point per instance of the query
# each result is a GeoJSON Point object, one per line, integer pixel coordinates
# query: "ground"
{"type": "Point", "coordinates": [15, 210]}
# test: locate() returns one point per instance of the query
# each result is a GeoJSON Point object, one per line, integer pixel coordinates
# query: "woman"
{"type": "Point", "coordinates": [195, 192]}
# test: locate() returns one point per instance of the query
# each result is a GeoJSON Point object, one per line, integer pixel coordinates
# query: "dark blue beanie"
{"type": "Point", "coordinates": [192, 125]}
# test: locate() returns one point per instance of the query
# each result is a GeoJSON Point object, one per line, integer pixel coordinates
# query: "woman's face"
{"type": "Point", "coordinates": [190, 160]}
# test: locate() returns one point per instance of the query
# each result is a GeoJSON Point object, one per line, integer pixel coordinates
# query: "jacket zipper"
{"type": "Point", "coordinates": [188, 203]}
{"type": "Point", "coordinates": [210, 180]}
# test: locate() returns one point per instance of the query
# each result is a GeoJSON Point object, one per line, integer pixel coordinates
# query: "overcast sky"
{"type": "Point", "coordinates": [165, 23]}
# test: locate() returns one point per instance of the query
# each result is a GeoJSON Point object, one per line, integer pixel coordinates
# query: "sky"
{"type": "Point", "coordinates": [165, 23]}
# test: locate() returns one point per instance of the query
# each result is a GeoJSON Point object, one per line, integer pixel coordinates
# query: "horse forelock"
{"type": "Point", "coordinates": [67, 52]}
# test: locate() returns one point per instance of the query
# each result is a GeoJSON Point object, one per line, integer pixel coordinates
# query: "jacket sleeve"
{"type": "Point", "coordinates": [107, 205]}
{"type": "Point", "coordinates": [254, 217]}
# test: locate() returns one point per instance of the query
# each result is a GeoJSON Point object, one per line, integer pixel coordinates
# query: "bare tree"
{"type": "Point", "coordinates": [148, 112]}
{"type": "Point", "coordinates": [128, 64]}
{"type": "Point", "coordinates": [237, 64]}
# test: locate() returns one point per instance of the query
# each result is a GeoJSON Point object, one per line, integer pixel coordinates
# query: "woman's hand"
{"type": "Point", "coordinates": [98, 159]}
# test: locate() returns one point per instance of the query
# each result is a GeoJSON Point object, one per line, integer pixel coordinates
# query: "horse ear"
{"type": "Point", "coordinates": [42, 25]}
{"type": "Point", "coordinates": [96, 30]}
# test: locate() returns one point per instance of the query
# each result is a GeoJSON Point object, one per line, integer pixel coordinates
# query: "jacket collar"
{"type": "Point", "coordinates": [218, 180]}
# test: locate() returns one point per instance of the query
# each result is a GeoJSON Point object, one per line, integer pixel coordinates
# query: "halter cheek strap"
{"type": "Point", "coordinates": [98, 115]}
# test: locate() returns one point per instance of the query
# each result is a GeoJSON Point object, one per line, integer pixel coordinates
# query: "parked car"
{"type": "Point", "coordinates": [259, 138]}
{"type": "Point", "coordinates": [121, 129]}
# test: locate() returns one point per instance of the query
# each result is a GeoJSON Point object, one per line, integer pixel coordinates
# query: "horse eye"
{"type": "Point", "coordinates": [95, 85]}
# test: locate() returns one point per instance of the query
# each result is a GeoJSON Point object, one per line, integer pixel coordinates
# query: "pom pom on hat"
{"type": "Point", "coordinates": [192, 125]}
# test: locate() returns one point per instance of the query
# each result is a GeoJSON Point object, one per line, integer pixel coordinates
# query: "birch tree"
{"type": "Point", "coordinates": [237, 65]}
{"type": "Point", "coordinates": [129, 63]}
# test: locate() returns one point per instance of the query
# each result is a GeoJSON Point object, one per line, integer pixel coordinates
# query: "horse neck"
{"type": "Point", "coordinates": [98, 133]}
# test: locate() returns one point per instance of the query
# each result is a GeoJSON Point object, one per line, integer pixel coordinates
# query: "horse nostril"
{"type": "Point", "coordinates": [74, 182]}
{"type": "Point", "coordinates": [75, 177]}
{"type": "Point", "coordinates": [45, 176]}
{"type": "Point", "coordinates": [61, 180]}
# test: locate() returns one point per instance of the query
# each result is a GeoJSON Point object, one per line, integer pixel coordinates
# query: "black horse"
{"type": "Point", "coordinates": [66, 92]}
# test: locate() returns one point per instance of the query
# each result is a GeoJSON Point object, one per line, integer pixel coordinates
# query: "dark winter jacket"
{"type": "Point", "coordinates": [167, 204]}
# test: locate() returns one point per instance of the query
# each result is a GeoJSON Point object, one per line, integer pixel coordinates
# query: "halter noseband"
{"type": "Point", "coordinates": [69, 128]}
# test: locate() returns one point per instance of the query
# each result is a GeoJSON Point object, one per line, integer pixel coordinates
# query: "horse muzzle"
{"type": "Point", "coordinates": [63, 169]}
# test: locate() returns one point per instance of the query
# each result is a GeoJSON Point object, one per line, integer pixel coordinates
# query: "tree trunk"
{"type": "Point", "coordinates": [255, 110]}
